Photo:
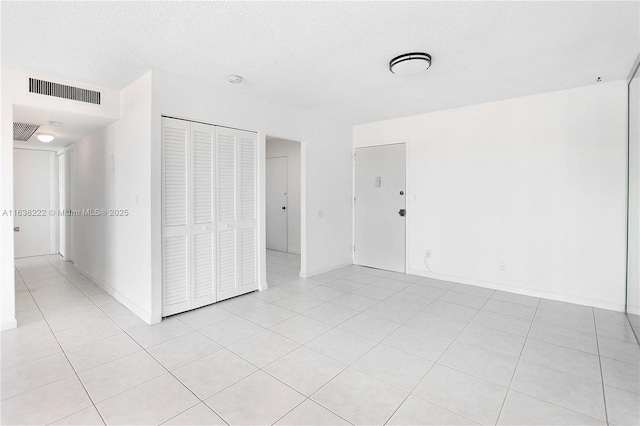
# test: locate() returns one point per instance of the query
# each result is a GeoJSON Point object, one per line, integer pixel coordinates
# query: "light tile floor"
{"type": "Point", "coordinates": [352, 346]}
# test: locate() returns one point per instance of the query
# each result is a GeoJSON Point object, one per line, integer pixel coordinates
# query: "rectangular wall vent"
{"type": "Point", "coordinates": [58, 90]}
{"type": "Point", "coordinates": [23, 131]}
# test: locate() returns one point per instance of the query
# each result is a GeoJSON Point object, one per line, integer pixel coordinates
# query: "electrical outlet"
{"type": "Point", "coordinates": [503, 267]}
{"type": "Point", "coordinates": [428, 254]}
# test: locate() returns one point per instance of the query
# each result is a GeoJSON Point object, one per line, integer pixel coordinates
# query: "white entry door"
{"type": "Point", "coordinates": [380, 207]}
{"type": "Point", "coordinates": [33, 193]}
{"type": "Point", "coordinates": [277, 203]}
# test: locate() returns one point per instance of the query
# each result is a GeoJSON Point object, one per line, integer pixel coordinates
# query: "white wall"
{"type": "Point", "coordinates": [536, 183]}
{"type": "Point", "coordinates": [13, 91]}
{"type": "Point", "coordinates": [124, 254]}
{"type": "Point", "coordinates": [291, 150]}
{"type": "Point", "coordinates": [326, 163]}
{"type": "Point", "coordinates": [633, 278]}
{"type": "Point", "coordinates": [115, 251]}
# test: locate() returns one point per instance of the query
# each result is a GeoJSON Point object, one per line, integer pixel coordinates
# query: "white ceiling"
{"type": "Point", "coordinates": [73, 128]}
{"type": "Point", "coordinates": [331, 58]}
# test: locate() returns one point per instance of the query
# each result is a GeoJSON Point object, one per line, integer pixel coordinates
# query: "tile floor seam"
{"type": "Point", "coordinates": [351, 365]}
{"type": "Point", "coordinates": [377, 344]}
{"type": "Point", "coordinates": [604, 394]}
{"type": "Point", "coordinates": [515, 370]}
{"type": "Point", "coordinates": [65, 355]}
{"type": "Point", "coordinates": [562, 326]}
{"type": "Point", "coordinates": [128, 389]}
{"type": "Point", "coordinates": [305, 396]}
{"type": "Point", "coordinates": [435, 362]}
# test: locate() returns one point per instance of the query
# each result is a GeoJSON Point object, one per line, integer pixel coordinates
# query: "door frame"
{"type": "Point", "coordinates": [407, 198]}
{"type": "Point", "coordinates": [303, 197]}
{"type": "Point", "coordinates": [266, 182]}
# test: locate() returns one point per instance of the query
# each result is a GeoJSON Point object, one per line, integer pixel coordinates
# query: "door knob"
{"type": "Point", "coordinates": [16, 229]}
{"type": "Point", "coordinates": [402, 212]}
{"type": "Point", "coordinates": [284, 208]}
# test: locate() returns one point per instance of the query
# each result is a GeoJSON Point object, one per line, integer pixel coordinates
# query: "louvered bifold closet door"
{"type": "Point", "coordinates": [226, 204]}
{"type": "Point", "coordinates": [203, 291]}
{"type": "Point", "coordinates": [175, 220]}
{"type": "Point", "coordinates": [248, 195]}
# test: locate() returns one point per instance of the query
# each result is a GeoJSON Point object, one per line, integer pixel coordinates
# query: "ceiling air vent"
{"type": "Point", "coordinates": [58, 90]}
{"type": "Point", "coordinates": [23, 131]}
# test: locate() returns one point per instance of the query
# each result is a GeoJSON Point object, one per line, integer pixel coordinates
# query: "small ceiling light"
{"type": "Point", "coordinates": [410, 63]}
{"type": "Point", "coordinates": [234, 79]}
{"type": "Point", "coordinates": [44, 137]}
{"type": "Point", "coordinates": [55, 123]}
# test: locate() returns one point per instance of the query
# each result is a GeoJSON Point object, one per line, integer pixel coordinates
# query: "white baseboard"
{"type": "Point", "coordinates": [138, 311]}
{"type": "Point", "coordinates": [521, 290]}
{"type": "Point", "coordinates": [307, 274]}
{"type": "Point", "coordinates": [8, 325]}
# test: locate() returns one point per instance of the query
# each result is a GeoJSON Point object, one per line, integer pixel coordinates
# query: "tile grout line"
{"type": "Point", "coordinates": [604, 394]}
{"type": "Point", "coordinates": [63, 350]}
{"type": "Point", "coordinates": [126, 390]}
{"type": "Point", "coordinates": [524, 344]}
{"type": "Point", "coordinates": [436, 363]}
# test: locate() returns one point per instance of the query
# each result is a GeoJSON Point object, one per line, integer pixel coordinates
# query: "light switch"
{"type": "Point", "coordinates": [378, 183]}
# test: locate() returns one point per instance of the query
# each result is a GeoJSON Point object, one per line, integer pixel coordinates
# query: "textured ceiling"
{"type": "Point", "coordinates": [331, 58]}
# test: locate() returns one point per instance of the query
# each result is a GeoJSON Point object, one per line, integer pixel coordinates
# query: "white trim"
{"type": "Point", "coordinates": [138, 311]}
{"type": "Point", "coordinates": [520, 290]}
{"type": "Point", "coordinates": [323, 270]}
{"type": "Point", "coordinates": [8, 325]}
{"type": "Point", "coordinates": [53, 202]}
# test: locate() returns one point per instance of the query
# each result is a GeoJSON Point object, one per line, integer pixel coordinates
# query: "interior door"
{"type": "Point", "coordinates": [176, 273]}
{"type": "Point", "coordinates": [236, 195]}
{"type": "Point", "coordinates": [276, 203]}
{"type": "Point", "coordinates": [202, 227]}
{"type": "Point", "coordinates": [226, 205]}
{"type": "Point", "coordinates": [32, 198]}
{"type": "Point", "coordinates": [380, 207]}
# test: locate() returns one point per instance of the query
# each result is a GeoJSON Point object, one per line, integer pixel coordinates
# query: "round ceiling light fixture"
{"type": "Point", "coordinates": [234, 79]}
{"type": "Point", "coordinates": [45, 137]}
{"type": "Point", "coordinates": [410, 63]}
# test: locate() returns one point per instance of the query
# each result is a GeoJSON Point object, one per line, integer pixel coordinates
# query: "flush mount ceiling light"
{"type": "Point", "coordinates": [410, 63]}
{"type": "Point", "coordinates": [44, 137]}
{"type": "Point", "coordinates": [234, 79]}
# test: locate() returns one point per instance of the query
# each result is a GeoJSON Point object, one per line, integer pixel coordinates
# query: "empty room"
{"type": "Point", "coordinates": [320, 213]}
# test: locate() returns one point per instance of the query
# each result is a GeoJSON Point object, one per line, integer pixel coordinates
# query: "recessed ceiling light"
{"type": "Point", "coordinates": [410, 63]}
{"type": "Point", "coordinates": [234, 79]}
{"type": "Point", "coordinates": [44, 137]}
{"type": "Point", "coordinates": [55, 123]}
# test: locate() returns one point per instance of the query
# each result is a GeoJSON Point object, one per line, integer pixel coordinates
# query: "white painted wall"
{"type": "Point", "coordinates": [115, 251]}
{"type": "Point", "coordinates": [123, 254]}
{"type": "Point", "coordinates": [13, 91]}
{"type": "Point", "coordinates": [35, 188]}
{"type": "Point", "coordinates": [326, 163]}
{"type": "Point", "coordinates": [537, 183]}
{"type": "Point", "coordinates": [291, 150]}
{"type": "Point", "coordinates": [633, 279]}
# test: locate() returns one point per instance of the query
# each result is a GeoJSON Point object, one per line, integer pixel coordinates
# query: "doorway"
{"type": "Point", "coordinates": [283, 196]}
{"type": "Point", "coordinates": [380, 200]}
